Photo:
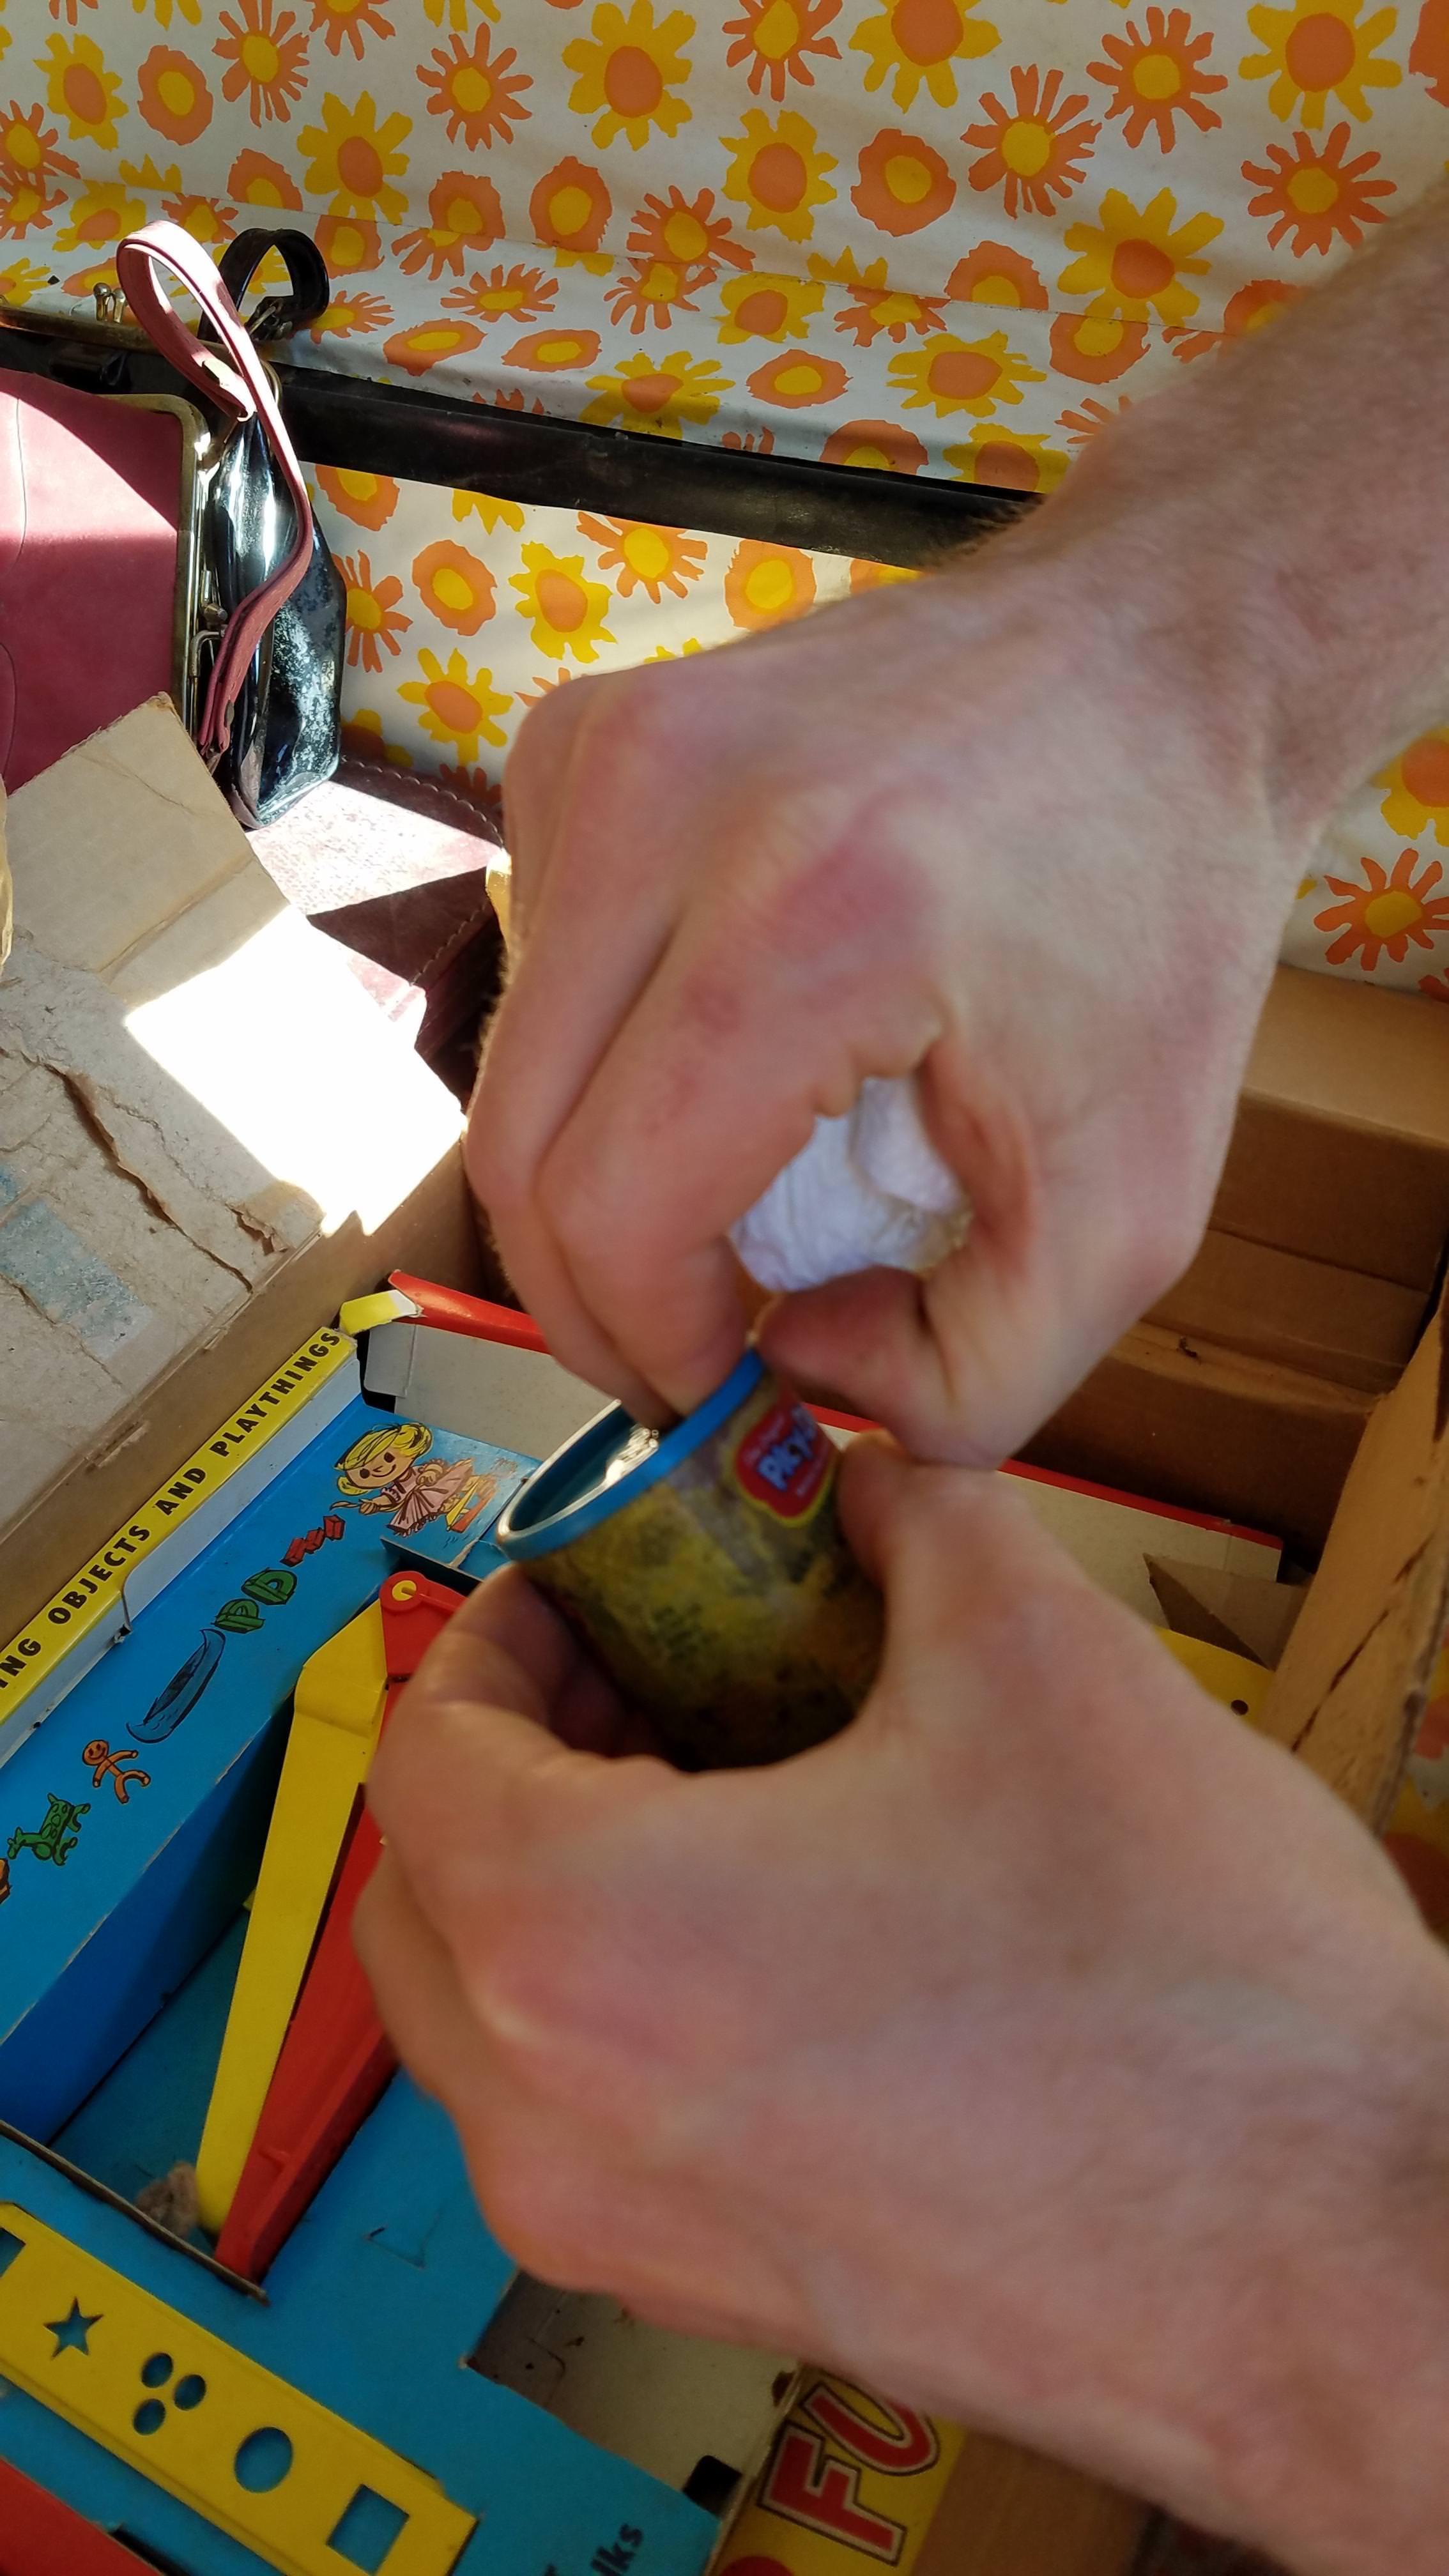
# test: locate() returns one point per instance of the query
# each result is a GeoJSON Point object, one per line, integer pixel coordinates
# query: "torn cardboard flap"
{"type": "Point", "coordinates": [1348, 1694]}
{"type": "Point", "coordinates": [193, 1090]}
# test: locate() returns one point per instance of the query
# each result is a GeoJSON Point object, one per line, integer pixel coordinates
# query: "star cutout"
{"type": "Point", "coordinates": [71, 2332]}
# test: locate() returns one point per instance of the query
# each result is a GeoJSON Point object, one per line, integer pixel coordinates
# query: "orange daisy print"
{"type": "Point", "coordinates": [347, 316]}
{"type": "Point", "coordinates": [993, 274]}
{"type": "Point", "coordinates": [777, 38]}
{"type": "Point", "coordinates": [350, 22]}
{"type": "Point", "coordinates": [368, 500]}
{"type": "Point", "coordinates": [767, 305]}
{"type": "Point", "coordinates": [206, 222]}
{"type": "Point", "coordinates": [465, 215]}
{"type": "Point", "coordinates": [374, 621]}
{"type": "Point", "coordinates": [1418, 788]}
{"type": "Point", "coordinates": [766, 584]}
{"type": "Point", "coordinates": [1436, 987]}
{"type": "Point", "coordinates": [1090, 416]}
{"type": "Point", "coordinates": [874, 306]}
{"type": "Point", "coordinates": [478, 93]}
{"type": "Point", "coordinates": [427, 344]}
{"type": "Point", "coordinates": [255, 180]}
{"type": "Point", "coordinates": [267, 58]}
{"type": "Point", "coordinates": [903, 185]}
{"type": "Point", "coordinates": [350, 244]}
{"type": "Point", "coordinates": [1157, 76]}
{"type": "Point", "coordinates": [1040, 153]}
{"type": "Point", "coordinates": [516, 294]}
{"type": "Point", "coordinates": [647, 558]}
{"type": "Point", "coordinates": [1093, 350]}
{"type": "Point", "coordinates": [26, 205]}
{"type": "Point", "coordinates": [1134, 259]}
{"type": "Point", "coordinates": [1384, 913]}
{"type": "Point", "coordinates": [874, 446]}
{"type": "Point", "coordinates": [550, 353]}
{"type": "Point", "coordinates": [568, 211]}
{"type": "Point", "coordinates": [688, 232]}
{"type": "Point", "coordinates": [456, 585]}
{"type": "Point", "coordinates": [174, 97]}
{"type": "Point", "coordinates": [651, 290]}
{"type": "Point", "coordinates": [1429, 53]}
{"type": "Point", "coordinates": [797, 379]}
{"type": "Point", "coordinates": [1316, 195]}
{"type": "Point", "coordinates": [1251, 309]}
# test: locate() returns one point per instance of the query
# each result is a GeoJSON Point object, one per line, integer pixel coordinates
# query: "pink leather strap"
{"type": "Point", "coordinates": [242, 388]}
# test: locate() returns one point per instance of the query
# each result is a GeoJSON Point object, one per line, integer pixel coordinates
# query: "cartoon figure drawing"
{"type": "Point", "coordinates": [4, 1880]}
{"type": "Point", "coordinates": [389, 1471]}
{"type": "Point", "coordinates": [106, 1765]}
{"type": "Point", "coordinates": [57, 1837]}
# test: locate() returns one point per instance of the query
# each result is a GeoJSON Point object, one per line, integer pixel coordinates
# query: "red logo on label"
{"type": "Point", "coordinates": [783, 1460]}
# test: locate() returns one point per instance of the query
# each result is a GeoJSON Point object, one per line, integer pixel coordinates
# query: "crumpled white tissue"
{"type": "Point", "coordinates": [869, 1189]}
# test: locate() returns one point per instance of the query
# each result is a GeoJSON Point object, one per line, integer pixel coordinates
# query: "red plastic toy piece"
{"type": "Point", "coordinates": [452, 1310]}
{"type": "Point", "coordinates": [40, 2536]}
{"type": "Point", "coordinates": [336, 2059]}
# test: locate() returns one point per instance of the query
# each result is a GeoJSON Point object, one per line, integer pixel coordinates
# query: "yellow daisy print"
{"type": "Point", "coordinates": [1012, 460]}
{"type": "Point", "coordinates": [100, 216]}
{"type": "Point", "coordinates": [354, 160]}
{"type": "Point", "coordinates": [1317, 50]}
{"type": "Point", "coordinates": [1133, 263]}
{"type": "Point", "coordinates": [190, 10]}
{"type": "Point", "coordinates": [627, 69]}
{"type": "Point", "coordinates": [493, 513]}
{"type": "Point", "coordinates": [658, 394]}
{"type": "Point", "coordinates": [778, 171]}
{"type": "Point", "coordinates": [79, 88]}
{"type": "Point", "coordinates": [919, 40]}
{"type": "Point", "coordinates": [1418, 785]}
{"type": "Point", "coordinates": [962, 375]}
{"type": "Point", "coordinates": [22, 280]}
{"type": "Point", "coordinates": [457, 705]}
{"type": "Point", "coordinates": [759, 306]}
{"type": "Point", "coordinates": [567, 609]}
{"type": "Point", "coordinates": [454, 13]}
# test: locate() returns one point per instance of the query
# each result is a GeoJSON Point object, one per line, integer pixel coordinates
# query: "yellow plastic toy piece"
{"type": "Point", "coordinates": [383, 1306]}
{"type": "Point", "coordinates": [337, 1713]}
{"type": "Point", "coordinates": [281, 2474]}
{"type": "Point", "coordinates": [1240, 1684]}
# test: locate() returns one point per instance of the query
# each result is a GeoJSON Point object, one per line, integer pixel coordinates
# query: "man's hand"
{"type": "Point", "coordinates": [1048, 2048]}
{"type": "Point", "coordinates": [1030, 826]}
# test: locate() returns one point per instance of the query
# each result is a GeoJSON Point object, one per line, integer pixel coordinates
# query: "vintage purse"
{"type": "Point", "coordinates": [163, 541]}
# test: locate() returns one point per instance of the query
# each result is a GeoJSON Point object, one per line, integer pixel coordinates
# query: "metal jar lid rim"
{"type": "Point", "coordinates": [529, 1527]}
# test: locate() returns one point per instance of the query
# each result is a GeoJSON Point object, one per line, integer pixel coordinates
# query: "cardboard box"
{"type": "Point", "coordinates": [209, 1136]}
{"type": "Point", "coordinates": [1247, 1389]}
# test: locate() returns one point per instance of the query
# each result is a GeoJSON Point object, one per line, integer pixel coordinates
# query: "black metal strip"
{"type": "Point", "coordinates": [565, 464]}
{"type": "Point", "coordinates": [150, 2226]}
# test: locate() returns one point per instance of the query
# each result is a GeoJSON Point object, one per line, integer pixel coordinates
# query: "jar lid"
{"type": "Point", "coordinates": [573, 1491]}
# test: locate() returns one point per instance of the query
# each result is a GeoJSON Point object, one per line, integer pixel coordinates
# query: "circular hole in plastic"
{"type": "Point", "coordinates": [150, 2415]}
{"type": "Point", "coordinates": [190, 2392]}
{"type": "Point", "coordinates": [156, 2371]}
{"type": "Point", "coordinates": [263, 2460]}
{"type": "Point", "coordinates": [1240, 1708]}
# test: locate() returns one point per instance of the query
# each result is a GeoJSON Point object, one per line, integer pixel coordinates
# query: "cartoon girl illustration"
{"type": "Point", "coordinates": [389, 1471]}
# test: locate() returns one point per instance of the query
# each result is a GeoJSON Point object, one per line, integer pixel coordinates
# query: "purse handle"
{"type": "Point", "coordinates": [243, 390]}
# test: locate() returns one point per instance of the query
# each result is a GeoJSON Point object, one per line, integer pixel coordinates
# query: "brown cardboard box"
{"type": "Point", "coordinates": [208, 1137]}
{"type": "Point", "coordinates": [1247, 1388]}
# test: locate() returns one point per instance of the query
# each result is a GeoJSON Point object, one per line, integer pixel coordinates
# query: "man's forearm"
{"type": "Point", "coordinates": [1296, 492]}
